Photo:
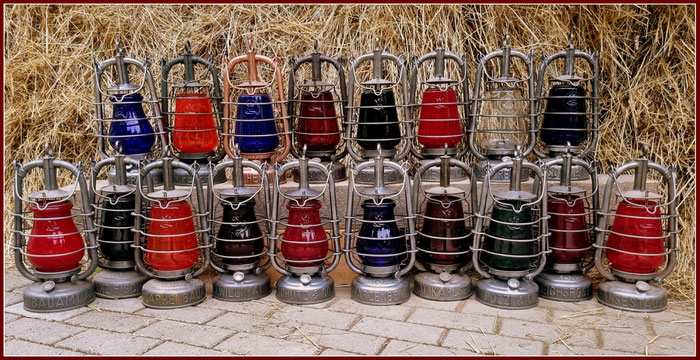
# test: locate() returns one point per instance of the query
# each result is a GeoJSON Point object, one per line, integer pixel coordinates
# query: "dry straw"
{"type": "Point", "coordinates": [648, 66]}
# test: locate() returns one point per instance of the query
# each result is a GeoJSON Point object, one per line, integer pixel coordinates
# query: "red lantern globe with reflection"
{"type": "Point", "coordinates": [306, 244]}
{"type": "Point", "coordinates": [444, 220]}
{"type": "Point", "coordinates": [191, 102]}
{"type": "Point", "coordinates": [127, 115]}
{"type": "Point", "coordinates": [171, 237]}
{"type": "Point", "coordinates": [636, 242]}
{"type": "Point", "coordinates": [377, 114]}
{"type": "Point", "coordinates": [572, 214]}
{"type": "Point", "coordinates": [239, 226]}
{"type": "Point", "coordinates": [53, 230]}
{"type": "Point", "coordinates": [380, 231]}
{"type": "Point", "coordinates": [113, 204]}
{"type": "Point", "coordinates": [568, 116]}
{"type": "Point", "coordinates": [439, 109]}
{"type": "Point", "coordinates": [317, 110]}
{"type": "Point", "coordinates": [255, 119]}
{"type": "Point", "coordinates": [503, 111]}
{"type": "Point", "coordinates": [510, 236]}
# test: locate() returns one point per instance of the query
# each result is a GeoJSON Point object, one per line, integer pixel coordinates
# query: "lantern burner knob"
{"type": "Point", "coordinates": [445, 276]}
{"type": "Point", "coordinates": [238, 276]}
{"type": "Point", "coordinates": [48, 286]}
{"type": "Point", "coordinates": [305, 279]}
{"type": "Point", "coordinates": [513, 284]}
{"type": "Point", "coordinates": [642, 286]}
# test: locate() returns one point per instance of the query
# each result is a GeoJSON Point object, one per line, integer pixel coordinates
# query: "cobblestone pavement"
{"type": "Point", "coordinates": [341, 326]}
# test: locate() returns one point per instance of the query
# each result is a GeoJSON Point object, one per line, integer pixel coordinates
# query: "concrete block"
{"type": "Point", "coordinates": [10, 317]}
{"type": "Point", "coordinates": [108, 343]}
{"type": "Point", "coordinates": [298, 315]}
{"type": "Point", "coordinates": [251, 344]}
{"type": "Point", "coordinates": [25, 348]}
{"type": "Point", "coordinates": [123, 305]}
{"type": "Point", "coordinates": [403, 348]}
{"type": "Point", "coordinates": [111, 321]}
{"type": "Point", "coordinates": [254, 307]}
{"type": "Point", "coordinates": [12, 298]}
{"type": "Point", "coordinates": [44, 332]}
{"type": "Point", "coordinates": [175, 349]}
{"type": "Point", "coordinates": [253, 324]}
{"type": "Point", "coordinates": [187, 314]}
{"type": "Point", "coordinates": [673, 346]}
{"type": "Point", "coordinates": [334, 352]}
{"type": "Point", "coordinates": [13, 280]}
{"type": "Point", "coordinates": [454, 320]}
{"type": "Point", "coordinates": [18, 309]}
{"type": "Point", "coordinates": [393, 312]}
{"type": "Point", "coordinates": [399, 330]}
{"type": "Point", "coordinates": [338, 339]}
{"type": "Point", "coordinates": [474, 307]}
{"type": "Point", "coordinates": [547, 332]}
{"type": "Point", "coordinates": [478, 343]}
{"type": "Point", "coordinates": [197, 335]}
{"type": "Point", "coordinates": [559, 349]}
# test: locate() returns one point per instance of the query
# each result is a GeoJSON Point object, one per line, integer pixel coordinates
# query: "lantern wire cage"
{"type": "Point", "coordinates": [327, 221]}
{"type": "Point", "coordinates": [202, 86]}
{"type": "Point", "coordinates": [144, 219]}
{"type": "Point", "coordinates": [52, 199]}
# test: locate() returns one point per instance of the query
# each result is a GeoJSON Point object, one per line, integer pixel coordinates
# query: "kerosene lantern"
{"type": "Point", "coordinates": [113, 205]}
{"type": "Point", "coordinates": [306, 244]}
{"type": "Point", "coordinates": [444, 226]}
{"type": "Point", "coordinates": [503, 111]}
{"type": "Point", "coordinates": [437, 118]}
{"type": "Point", "coordinates": [376, 119]}
{"type": "Point", "coordinates": [260, 120]}
{"type": "Point", "coordinates": [316, 110]}
{"type": "Point", "coordinates": [51, 237]}
{"type": "Point", "coordinates": [171, 236]}
{"type": "Point", "coordinates": [121, 116]}
{"type": "Point", "coordinates": [510, 237]}
{"type": "Point", "coordinates": [572, 214]}
{"type": "Point", "coordinates": [384, 245]}
{"type": "Point", "coordinates": [238, 233]}
{"type": "Point", "coordinates": [637, 231]}
{"type": "Point", "coordinates": [192, 110]}
{"type": "Point", "coordinates": [569, 113]}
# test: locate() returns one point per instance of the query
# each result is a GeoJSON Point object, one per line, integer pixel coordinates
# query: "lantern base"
{"type": "Point", "coordinates": [316, 176]}
{"type": "Point", "coordinates": [637, 297]}
{"type": "Point", "coordinates": [49, 296]}
{"type": "Point", "coordinates": [514, 294]}
{"type": "Point", "coordinates": [578, 172]}
{"type": "Point", "coordinates": [366, 176]}
{"type": "Point", "coordinates": [172, 294]}
{"type": "Point", "coordinates": [305, 289]}
{"type": "Point", "coordinates": [380, 291]}
{"type": "Point", "coordinates": [501, 176]}
{"type": "Point", "coordinates": [241, 286]}
{"type": "Point", "coordinates": [433, 174]}
{"type": "Point", "coordinates": [183, 178]}
{"type": "Point", "coordinates": [564, 287]}
{"type": "Point", "coordinates": [118, 284]}
{"type": "Point", "coordinates": [442, 287]}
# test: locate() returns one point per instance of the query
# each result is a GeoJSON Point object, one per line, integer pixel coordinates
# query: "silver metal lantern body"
{"type": "Point", "coordinates": [510, 237]}
{"type": "Point", "coordinates": [191, 106]}
{"type": "Point", "coordinates": [444, 222]}
{"type": "Point", "coordinates": [377, 113]}
{"type": "Point", "coordinates": [568, 113]}
{"type": "Point", "coordinates": [113, 205]}
{"type": "Point", "coordinates": [305, 239]}
{"type": "Point", "coordinates": [502, 111]}
{"type": "Point", "coordinates": [572, 213]}
{"type": "Point", "coordinates": [53, 230]}
{"type": "Point", "coordinates": [171, 236]}
{"type": "Point", "coordinates": [317, 111]}
{"type": "Point", "coordinates": [439, 109]}
{"type": "Point", "coordinates": [636, 238]}
{"type": "Point", "coordinates": [380, 242]}
{"type": "Point", "coordinates": [239, 229]}
{"type": "Point", "coordinates": [127, 113]}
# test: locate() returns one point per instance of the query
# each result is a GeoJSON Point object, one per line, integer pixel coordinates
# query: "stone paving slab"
{"type": "Point", "coordinates": [343, 327]}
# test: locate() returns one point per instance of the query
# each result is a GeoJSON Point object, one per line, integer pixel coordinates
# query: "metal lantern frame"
{"type": "Point", "coordinates": [118, 279]}
{"type": "Point", "coordinates": [53, 291]}
{"type": "Point", "coordinates": [569, 282]}
{"type": "Point", "coordinates": [377, 56]}
{"type": "Point", "coordinates": [197, 85]}
{"type": "Point", "coordinates": [631, 291]}
{"type": "Point", "coordinates": [122, 89]}
{"type": "Point", "coordinates": [512, 289]}
{"type": "Point", "coordinates": [570, 54]}
{"type": "Point", "coordinates": [177, 288]}
{"type": "Point", "coordinates": [247, 281]}
{"type": "Point", "coordinates": [439, 57]}
{"type": "Point", "coordinates": [316, 59]}
{"type": "Point", "coordinates": [440, 282]}
{"type": "Point", "coordinates": [378, 286]}
{"type": "Point", "coordinates": [506, 54]}
{"type": "Point", "coordinates": [249, 87]}
{"type": "Point", "coordinates": [305, 284]}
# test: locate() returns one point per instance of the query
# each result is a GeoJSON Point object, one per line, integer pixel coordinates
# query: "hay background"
{"type": "Point", "coordinates": [647, 61]}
